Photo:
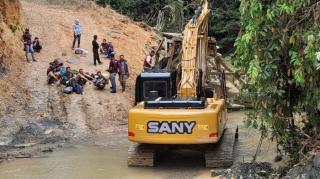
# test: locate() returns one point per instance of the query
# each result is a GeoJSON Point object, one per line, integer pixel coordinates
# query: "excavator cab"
{"type": "Point", "coordinates": [152, 85]}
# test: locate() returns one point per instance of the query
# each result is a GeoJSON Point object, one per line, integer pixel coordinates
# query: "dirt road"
{"type": "Point", "coordinates": [96, 111]}
{"type": "Point", "coordinates": [50, 116]}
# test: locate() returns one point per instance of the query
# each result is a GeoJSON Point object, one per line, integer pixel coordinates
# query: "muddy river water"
{"type": "Point", "coordinates": [105, 157]}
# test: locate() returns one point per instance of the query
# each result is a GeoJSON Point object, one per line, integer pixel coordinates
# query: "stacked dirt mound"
{"type": "Point", "coordinates": [10, 55]}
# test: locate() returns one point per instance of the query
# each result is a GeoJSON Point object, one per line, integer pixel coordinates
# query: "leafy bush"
{"type": "Point", "coordinates": [277, 51]}
{"type": "Point", "coordinates": [15, 27]}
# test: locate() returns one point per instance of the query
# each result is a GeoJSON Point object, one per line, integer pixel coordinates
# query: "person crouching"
{"type": "Point", "coordinates": [37, 47]}
{"type": "Point", "coordinates": [100, 81]}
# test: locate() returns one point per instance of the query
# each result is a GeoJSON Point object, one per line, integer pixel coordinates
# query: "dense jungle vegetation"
{"type": "Point", "coordinates": [224, 21]}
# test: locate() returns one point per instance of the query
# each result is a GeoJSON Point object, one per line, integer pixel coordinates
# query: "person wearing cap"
{"type": "Point", "coordinates": [28, 44]}
{"type": "Point", "coordinates": [76, 33]}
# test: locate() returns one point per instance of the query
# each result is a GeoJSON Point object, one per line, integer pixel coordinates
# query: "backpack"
{"type": "Point", "coordinates": [78, 51]}
{"type": "Point", "coordinates": [68, 90]}
{"type": "Point", "coordinates": [78, 89]}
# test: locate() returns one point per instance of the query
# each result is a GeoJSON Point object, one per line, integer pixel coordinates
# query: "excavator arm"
{"type": "Point", "coordinates": [194, 52]}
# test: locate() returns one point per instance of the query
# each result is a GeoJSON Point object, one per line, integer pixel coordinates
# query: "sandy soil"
{"type": "Point", "coordinates": [95, 111]}
{"type": "Point", "coordinates": [38, 111]}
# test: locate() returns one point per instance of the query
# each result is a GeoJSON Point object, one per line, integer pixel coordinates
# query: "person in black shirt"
{"type": "Point", "coordinates": [95, 49]}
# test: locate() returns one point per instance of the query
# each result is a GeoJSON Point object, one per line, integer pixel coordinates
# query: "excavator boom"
{"type": "Point", "coordinates": [194, 52]}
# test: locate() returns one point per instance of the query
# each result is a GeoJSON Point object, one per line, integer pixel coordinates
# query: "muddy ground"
{"type": "Point", "coordinates": [106, 157]}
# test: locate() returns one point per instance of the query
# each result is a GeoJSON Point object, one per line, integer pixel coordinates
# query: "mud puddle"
{"type": "Point", "coordinates": [101, 160]}
{"type": "Point", "coordinates": [105, 157]}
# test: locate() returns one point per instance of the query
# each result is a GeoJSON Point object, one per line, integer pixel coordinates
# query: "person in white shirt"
{"type": "Point", "coordinates": [76, 33]}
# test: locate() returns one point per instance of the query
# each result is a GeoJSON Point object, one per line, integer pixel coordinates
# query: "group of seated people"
{"type": "Point", "coordinates": [73, 80]}
{"type": "Point", "coordinates": [106, 48]}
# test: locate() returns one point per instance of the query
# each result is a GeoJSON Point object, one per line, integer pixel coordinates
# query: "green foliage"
{"type": "Point", "coordinates": [15, 27]}
{"type": "Point", "coordinates": [224, 23]}
{"type": "Point", "coordinates": [139, 10]}
{"type": "Point", "coordinates": [224, 20]}
{"type": "Point", "coordinates": [277, 51]}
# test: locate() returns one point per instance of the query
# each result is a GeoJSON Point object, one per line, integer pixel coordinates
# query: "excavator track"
{"type": "Point", "coordinates": [141, 155]}
{"type": "Point", "coordinates": [220, 155]}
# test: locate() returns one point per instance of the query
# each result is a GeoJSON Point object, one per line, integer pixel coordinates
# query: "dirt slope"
{"type": "Point", "coordinates": [10, 52]}
{"type": "Point", "coordinates": [98, 111]}
{"type": "Point", "coordinates": [95, 112]}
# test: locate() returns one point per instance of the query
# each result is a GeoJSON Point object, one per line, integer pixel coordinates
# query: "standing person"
{"type": "Point", "coordinates": [123, 72]}
{"type": "Point", "coordinates": [76, 33]}
{"type": "Point", "coordinates": [28, 44]}
{"type": "Point", "coordinates": [113, 70]}
{"type": "Point", "coordinates": [147, 65]}
{"type": "Point", "coordinates": [95, 49]}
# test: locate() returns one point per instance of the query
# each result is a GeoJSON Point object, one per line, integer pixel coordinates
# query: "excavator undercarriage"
{"type": "Point", "coordinates": [219, 155]}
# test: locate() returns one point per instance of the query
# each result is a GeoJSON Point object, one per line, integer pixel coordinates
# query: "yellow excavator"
{"type": "Point", "coordinates": [177, 108]}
